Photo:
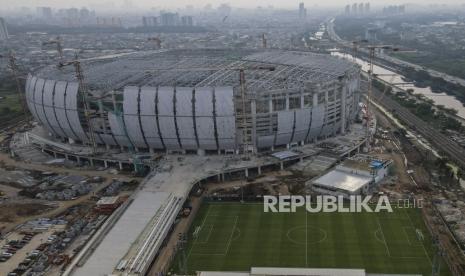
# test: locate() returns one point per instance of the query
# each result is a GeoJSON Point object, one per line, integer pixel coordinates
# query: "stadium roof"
{"type": "Point", "coordinates": [205, 67]}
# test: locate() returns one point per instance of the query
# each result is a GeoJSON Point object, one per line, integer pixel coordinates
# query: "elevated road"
{"type": "Point", "coordinates": [347, 44]}
{"type": "Point", "coordinates": [443, 143]}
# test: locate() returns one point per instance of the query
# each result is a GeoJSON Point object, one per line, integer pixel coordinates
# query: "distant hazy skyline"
{"type": "Point", "coordinates": [112, 5]}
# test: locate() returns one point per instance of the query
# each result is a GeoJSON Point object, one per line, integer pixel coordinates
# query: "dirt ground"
{"type": "Point", "coordinates": [13, 216]}
{"type": "Point", "coordinates": [8, 191]}
{"type": "Point", "coordinates": [11, 211]}
{"type": "Point", "coordinates": [420, 183]}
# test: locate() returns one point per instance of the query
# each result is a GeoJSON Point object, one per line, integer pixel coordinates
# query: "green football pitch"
{"type": "Point", "coordinates": [236, 237]}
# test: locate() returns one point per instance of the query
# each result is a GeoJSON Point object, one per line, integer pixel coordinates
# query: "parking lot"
{"type": "Point", "coordinates": [23, 250]}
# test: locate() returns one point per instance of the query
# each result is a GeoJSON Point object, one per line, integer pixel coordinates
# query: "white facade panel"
{"type": "Point", "coordinates": [285, 127]}
{"type": "Point", "coordinates": [302, 123]}
{"type": "Point", "coordinates": [226, 127]}
{"type": "Point", "coordinates": [318, 115]}
{"type": "Point", "coordinates": [166, 117]}
{"type": "Point", "coordinates": [60, 111]}
{"type": "Point", "coordinates": [184, 117]}
{"type": "Point", "coordinates": [72, 110]}
{"type": "Point", "coordinates": [265, 141]}
{"type": "Point", "coordinates": [224, 101]}
{"type": "Point", "coordinates": [49, 90]}
{"type": "Point", "coordinates": [37, 99]}
{"type": "Point", "coordinates": [149, 118]}
{"type": "Point", "coordinates": [30, 96]}
{"type": "Point", "coordinates": [225, 119]}
{"type": "Point", "coordinates": [118, 130]}
{"type": "Point", "coordinates": [108, 139]}
{"type": "Point", "coordinates": [131, 116]}
{"type": "Point", "coordinates": [29, 83]}
{"type": "Point", "coordinates": [204, 118]}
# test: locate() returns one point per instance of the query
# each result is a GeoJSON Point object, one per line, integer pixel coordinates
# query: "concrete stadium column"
{"type": "Point", "coordinates": [201, 152]}
{"type": "Point", "coordinates": [343, 107]}
{"type": "Point", "coordinates": [315, 98]}
{"type": "Point", "coordinates": [259, 168]}
{"type": "Point", "coordinates": [120, 166]}
{"type": "Point", "coordinates": [281, 164]}
{"type": "Point", "coordinates": [105, 163]}
{"type": "Point", "coordinates": [270, 104]}
{"type": "Point", "coordinates": [246, 172]}
{"type": "Point", "coordinates": [287, 101]}
{"type": "Point", "coordinates": [102, 116]}
{"type": "Point", "coordinates": [91, 161]}
{"type": "Point", "coordinates": [302, 100]}
{"type": "Point", "coordinates": [253, 109]}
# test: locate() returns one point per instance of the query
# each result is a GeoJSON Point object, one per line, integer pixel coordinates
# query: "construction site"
{"type": "Point", "coordinates": [122, 150]}
{"type": "Point", "coordinates": [197, 101]}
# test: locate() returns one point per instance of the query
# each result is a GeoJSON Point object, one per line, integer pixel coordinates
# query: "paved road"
{"type": "Point", "coordinates": [333, 36]}
{"type": "Point", "coordinates": [439, 140]}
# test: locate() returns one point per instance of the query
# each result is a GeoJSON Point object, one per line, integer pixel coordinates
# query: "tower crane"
{"type": "Point", "coordinates": [57, 41]}
{"type": "Point", "coordinates": [371, 52]}
{"type": "Point", "coordinates": [83, 93]}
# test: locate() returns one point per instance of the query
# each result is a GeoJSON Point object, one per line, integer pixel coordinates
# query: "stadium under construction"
{"type": "Point", "coordinates": [201, 101]}
{"type": "Point", "coordinates": [182, 105]}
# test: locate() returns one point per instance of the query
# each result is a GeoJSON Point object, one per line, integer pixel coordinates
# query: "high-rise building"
{"type": "Point", "coordinates": [84, 13]}
{"type": "Point", "coordinates": [302, 11]}
{"type": "Point", "coordinates": [44, 12]}
{"type": "Point", "coordinates": [187, 20]}
{"type": "Point", "coordinates": [145, 21]}
{"type": "Point", "coordinates": [149, 21]}
{"type": "Point", "coordinates": [347, 10]}
{"type": "Point", "coordinates": [3, 30]}
{"type": "Point", "coordinates": [370, 34]}
{"type": "Point", "coordinates": [354, 8]}
{"type": "Point", "coordinates": [72, 13]}
{"type": "Point", "coordinates": [169, 19]}
{"type": "Point", "coordinates": [402, 9]}
{"type": "Point", "coordinates": [367, 7]}
{"type": "Point", "coordinates": [360, 8]}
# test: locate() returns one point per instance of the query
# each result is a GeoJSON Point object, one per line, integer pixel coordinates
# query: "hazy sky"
{"type": "Point", "coordinates": [201, 3]}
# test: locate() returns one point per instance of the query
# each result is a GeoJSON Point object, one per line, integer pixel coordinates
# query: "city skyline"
{"type": "Point", "coordinates": [141, 4]}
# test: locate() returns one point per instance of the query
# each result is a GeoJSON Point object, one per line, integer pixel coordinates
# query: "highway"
{"type": "Point", "coordinates": [439, 140]}
{"type": "Point", "coordinates": [333, 36]}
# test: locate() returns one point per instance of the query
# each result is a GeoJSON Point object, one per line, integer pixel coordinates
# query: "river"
{"type": "Point", "coordinates": [394, 78]}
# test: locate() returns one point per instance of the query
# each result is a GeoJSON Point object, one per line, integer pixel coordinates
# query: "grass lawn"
{"type": "Point", "coordinates": [10, 105]}
{"type": "Point", "coordinates": [235, 237]}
